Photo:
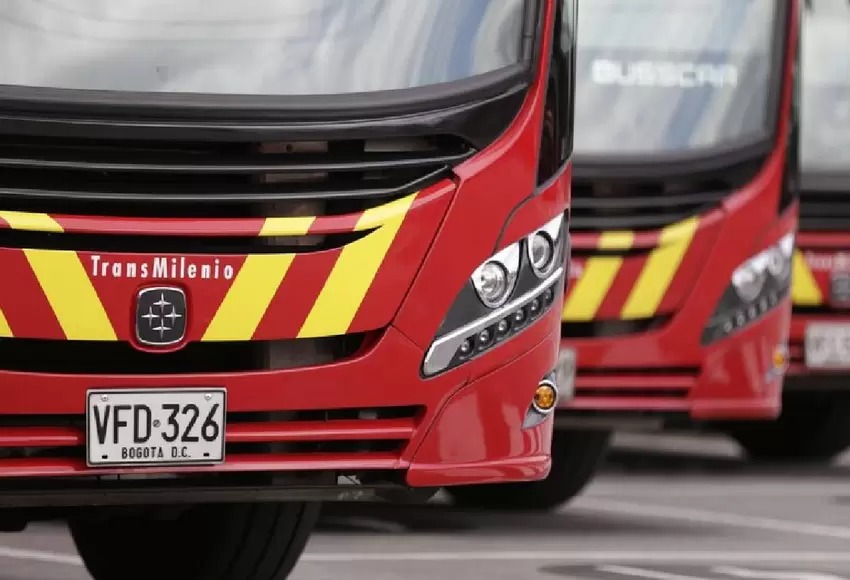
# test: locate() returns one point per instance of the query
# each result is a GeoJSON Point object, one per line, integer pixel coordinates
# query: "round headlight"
{"type": "Point", "coordinates": [541, 253]}
{"type": "Point", "coordinates": [748, 282]}
{"type": "Point", "coordinates": [778, 265]}
{"type": "Point", "coordinates": [492, 283]}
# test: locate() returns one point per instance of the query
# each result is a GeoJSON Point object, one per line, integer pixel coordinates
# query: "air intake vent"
{"type": "Point", "coordinates": [216, 178]}
{"type": "Point", "coordinates": [824, 210]}
{"type": "Point", "coordinates": [637, 203]}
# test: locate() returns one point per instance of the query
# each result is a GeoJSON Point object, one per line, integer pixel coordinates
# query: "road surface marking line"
{"type": "Point", "coordinates": [583, 557]}
{"type": "Point", "coordinates": [40, 556]}
{"type": "Point", "coordinates": [578, 556]}
{"type": "Point", "coordinates": [642, 573]}
{"type": "Point", "coordinates": [772, 575]}
{"type": "Point", "coordinates": [707, 517]}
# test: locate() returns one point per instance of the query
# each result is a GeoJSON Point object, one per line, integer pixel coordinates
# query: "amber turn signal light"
{"type": "Point", "coordinates": [545, 397]}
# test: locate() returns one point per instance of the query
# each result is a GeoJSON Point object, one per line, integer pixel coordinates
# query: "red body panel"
{"type": "Point", "coordinates": [396, 282]}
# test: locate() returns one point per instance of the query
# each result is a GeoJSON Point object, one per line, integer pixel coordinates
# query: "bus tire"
{"type": "Point", "coordinates": [208, 542]}
{"type": "Point", "coordinates": [813, 427]}
{"type": "Point", "coordinates": [576, 457]}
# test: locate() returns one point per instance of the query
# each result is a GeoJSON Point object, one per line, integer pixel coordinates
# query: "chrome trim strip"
{"type": "Point", "coordinates": [443, 350]}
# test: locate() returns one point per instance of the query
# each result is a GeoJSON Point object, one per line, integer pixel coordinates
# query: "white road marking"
{"type": "Point", "coordinates": [642, 573]}
{"type": "Point", "coordinates": [566, 556]}
{"type": "Point", "coordinates": [711, 517]}
{"type": "Point", "coordinates": [649, 487]}
{"type": "Point", "coordinates": [40, 556]}
{"type": "Point", "coordinates": [586, 557]}
{"type": "Point", "coordinates": [773, 575]}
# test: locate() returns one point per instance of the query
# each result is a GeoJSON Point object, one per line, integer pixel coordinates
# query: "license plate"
{"type": "Point", "coordinates": [148, 427]}
{"type": "Point", "coordinates": [828, 346]}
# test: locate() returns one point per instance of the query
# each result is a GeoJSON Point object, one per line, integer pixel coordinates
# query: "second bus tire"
{"type": "Point", "coordinates": [576, 457]}
{"type": "Point", "coordinates": [813, 427]}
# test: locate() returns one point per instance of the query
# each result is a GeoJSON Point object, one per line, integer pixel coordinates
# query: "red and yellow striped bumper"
{"type": "Point", "coordinates": [87, 296]}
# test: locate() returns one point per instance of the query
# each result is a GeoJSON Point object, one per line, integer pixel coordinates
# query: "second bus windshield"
{"type": "Point", "coordinates": [665, 76]}
{"type": "Point", "coordinates": [825, 118]}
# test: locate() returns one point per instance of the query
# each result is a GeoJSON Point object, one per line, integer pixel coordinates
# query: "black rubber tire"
{"type": "Point", "coordinates": [210, 542]}
{"type": "Point", "coordinates": [576, 457]}
{"type": "Point", "coordinates": [813, 428]}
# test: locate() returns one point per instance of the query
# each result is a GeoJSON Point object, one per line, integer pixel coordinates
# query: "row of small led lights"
{"type": "Point", "coordinates": [507, 326]}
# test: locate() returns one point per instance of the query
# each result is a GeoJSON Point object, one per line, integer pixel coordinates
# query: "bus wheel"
{"type": "Point", "coordinates": [576, 456]}
{"type": "Point", "coordinates": [222, 542]}
{"type": "Point", "coordinates": [813, 427]}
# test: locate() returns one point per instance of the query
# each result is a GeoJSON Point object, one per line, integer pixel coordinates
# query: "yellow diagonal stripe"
{"type": "Point", "coordinates": [352, 275]}
{"type": "Point", "coordinates": [71, 294]}
{"type": "Point", "coordinates": [804, 288]}
{"type": "Point", "coordinates": [660, 268]}
{"type": "Point", "coordinates": [255, 286]}
{"type": "Point", "coordinates": [35, 222]}
{"type": "Point", "coordinates": [384, 214]}
{"type": "Point", "coordinates": [5, 330]}
{"type": "Point", "coordinates": [248, 298]}
{"type": "Point", "coordinates": [596, 279]}
{"type": "Point", "coordinates": [286, 226]}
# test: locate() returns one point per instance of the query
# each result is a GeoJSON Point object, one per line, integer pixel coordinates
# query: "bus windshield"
{"type": "Point", "coordinates": [825, 114]}
{"type": "Point", "coordinates": [255, 47]}
{"type": "Point", "coordinates": [671, 76]}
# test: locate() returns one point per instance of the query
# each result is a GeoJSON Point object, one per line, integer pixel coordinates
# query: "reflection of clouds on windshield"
{"type": "Point", "coordinates": [825, 111]}
{"type": "Point", "coordinates": [254, 46]}
{"type": "Point", "coordinates": [671, 35]}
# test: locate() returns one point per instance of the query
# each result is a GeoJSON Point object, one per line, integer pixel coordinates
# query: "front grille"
{"type": "Point", "coordinates": [639, 389]}
{"type": "Point", "coordinates": [121, 358]}
{"type": "Point", "coordinates": [824, 210]}
{"type": "Point", "coordinates": [217, 178]}
{"type": "Point", "coordinates": [375, 437]}
{"type": "Point", "coordinates": [601, 203]}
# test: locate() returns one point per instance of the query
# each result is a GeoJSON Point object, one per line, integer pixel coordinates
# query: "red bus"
{"type": "Point", "coordinates": [815, 421]}
{"type": "Point", "coordinates": [684, 211]}
{"type": "Point", "coordinates": [264, 254]}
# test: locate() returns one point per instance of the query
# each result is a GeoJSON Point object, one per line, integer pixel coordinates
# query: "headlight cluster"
{"type": "Point", "coordinates": [757, 286]}
{"type": "Point", "coordinates": [505, 294]}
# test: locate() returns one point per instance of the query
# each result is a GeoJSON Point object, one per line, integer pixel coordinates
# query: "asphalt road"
{"type": "Point", "coordinates": [665, 509]}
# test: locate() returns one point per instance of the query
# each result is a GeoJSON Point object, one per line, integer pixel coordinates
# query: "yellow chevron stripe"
{"type": "Point", "coordinates": [5, 330]}
{"type": "Point", "coordinates": [804, 289]}
{"type": "Point", "coordinates": [254, 288]}
{"type": "Point", "coordinates": [389, 212]}
{"type": "Point", "coordinates": [35, 222]}
{"type": "Point", "coordinates": [249, 297]}
{"type": "Point", "coordinates": [660, 268]}
{"type": "Point", "coordinates": [286, 226]}
{"type": "Point", "coordinates": [595, 281]}
{"type": "Point", "coordinates": [354, 271]}
{"type": "Point", "coordinates": [71, 294]}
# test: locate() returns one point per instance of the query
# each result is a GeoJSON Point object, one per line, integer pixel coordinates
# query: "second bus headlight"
{"type": "Point", "coordinates": [757, 286]}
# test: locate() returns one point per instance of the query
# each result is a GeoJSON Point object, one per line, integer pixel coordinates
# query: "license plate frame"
{"type": "Point", "coordinates": [836, 333]}
{"type": "Point", "coordinates": [98, 457]}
